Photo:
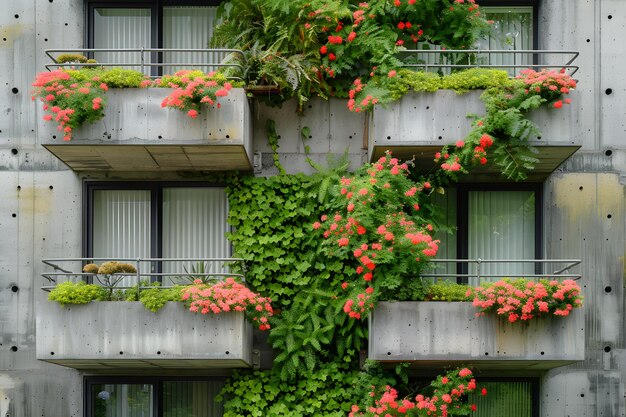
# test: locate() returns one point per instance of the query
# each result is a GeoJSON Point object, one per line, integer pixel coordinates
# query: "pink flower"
{"type": "Point", "coordinates": [392, 73]}
{"type": "Point", "coordinates": [343, 241]}
{"type": "Point", "coordinates": [460, 143]}
{"type": "Point", "coordinates": [192, 113]}
{"type": "Point", "coordinates": [558, 104]}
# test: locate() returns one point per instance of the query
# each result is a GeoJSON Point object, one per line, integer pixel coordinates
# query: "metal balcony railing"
{"type": "Point", "coordinates": [490, 58]}
{"type": "Point", "coordinates": [152, 59]}
{"type": "Point", "coordinates": [167, 271]}
{"type": "Point", "coordinates": [487, 269]}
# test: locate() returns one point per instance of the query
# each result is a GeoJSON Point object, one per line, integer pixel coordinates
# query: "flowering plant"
{"type": "Point", "coordinates": [449, 391]}
{"type": "Point", "coordinates": [69, 101]}
{"type": "Point", "coordinates": [379, 227]}
{"type": "Point", "coordinates": [228, 295]}
{"type": "Point", "coordinates": [192, 89]}
{"type": "Point", "coordinates": [522, 299]}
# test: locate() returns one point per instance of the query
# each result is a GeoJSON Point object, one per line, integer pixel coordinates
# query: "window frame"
{"type": "Point", "coordinates": [156, 19]}
{"type": "Point", "coordinates": [156, 208]}
{"type": "Point", "coordinates": [519, 3]}
{"type": "Point", "coordinates": [462, 218]}
{"type": "Point", "coordinates": [156, 381]}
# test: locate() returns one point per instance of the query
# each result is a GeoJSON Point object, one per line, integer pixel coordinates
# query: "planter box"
{"type": "Point", "coordinates": [433, 334]}
{"type": "Point", "coordinates": [121, 334]}
{"type": "Point", "coordinates": [137, 134]}
{"type": "Point", "coordinates": [419, 124]}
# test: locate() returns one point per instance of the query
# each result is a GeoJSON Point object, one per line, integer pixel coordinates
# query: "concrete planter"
{"type": "Point", "coordinates": [441, 333]}
{"type": "Point", "coordinates": [137, 134]}
{"type": "Point", "coordinates": [124, 334]}
{"type": "Point", "coordinates": [419, 124]}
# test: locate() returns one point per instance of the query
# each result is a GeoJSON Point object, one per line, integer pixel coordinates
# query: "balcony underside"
{"type": "Point", "coordinates": [442, 334]}
{"type": "Point", "coordinates": [150, 157]}
{"type": "Point", "coordinates": [137, 134]}
{"type": "Point", "coordinates": [121, 334]}
{"type": "Point", "coordinates": [550, 156]}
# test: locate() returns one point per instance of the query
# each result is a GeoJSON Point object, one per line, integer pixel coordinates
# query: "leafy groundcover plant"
{"type": "Point", "coordinates": [522, 299]}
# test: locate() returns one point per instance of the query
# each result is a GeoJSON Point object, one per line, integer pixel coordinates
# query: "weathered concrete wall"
{"type": "Point", "coordinates": [41, 201]}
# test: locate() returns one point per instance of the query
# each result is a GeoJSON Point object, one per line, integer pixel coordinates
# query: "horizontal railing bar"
{"type": "Point", "coordinates": [140, 259]}
{"type": "Point", "coordinates": [479, 260]}
{"type": "Point", "coordinates": [495, 51]}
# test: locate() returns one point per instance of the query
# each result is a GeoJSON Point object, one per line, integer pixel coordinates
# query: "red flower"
{"type": "Point", "coordinates": [351, 36]}
{"type": "Point", "coordinates": [473, 407]}
{"type": "Point", "coordinates": [331, 57]}
{"type": "Point", "coordinates": [401, 25]}
{"type": "Point", "coordinates": [323, 50]}
{"type": "Point", "coordinates": [483, 391]}
{"type": "Point", "coordinates": [558, 104]}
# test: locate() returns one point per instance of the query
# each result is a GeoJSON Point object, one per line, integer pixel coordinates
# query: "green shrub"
{"type": "Point", "coordinates": [155, 298]}
{"type": "Point", "coordinates": [474, 79]}
{"type": "Point", "coordinates": [76, 293]}
{"type": "Point", "coordinates": [447, 291]}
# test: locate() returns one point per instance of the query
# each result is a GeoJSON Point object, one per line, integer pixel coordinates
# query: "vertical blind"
{"type": "Point", "coordinates": [501, 225]}
{"type": "Point", "coordinates": [188, 28]}
{"type": "Point", "coordinates": [446, 203]}
{"type": "Point", "coordinates": [194, 225]}
{"type": "Point", "coordinates": [512, 29]}
{"type": "Point", "coordinates": [191, 399]}
{"type": "Point", "coordinates": [118, 28]}
{"type": "Point", "coordinates": [510, 399]}
{"type": "Point", "coordinates": [121, 223]}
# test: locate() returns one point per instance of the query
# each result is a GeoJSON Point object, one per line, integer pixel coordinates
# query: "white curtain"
{"type": "Point", "coordinates": [512, 29]}
{"type": "Point", "coordinates": [501, 225]}
{"type": "Point", "coordinates": [186, 27]}
{"type": "Point", "coordinates": [122, 400]}
{"type": "Point", "coordinates": [121, 223]}
{"type": "Point", "coordinates": [194, 226]}
{"type": "Point", "coordinates": [121, 28]}
{"type": "Point", "coordinates": [446, 206]}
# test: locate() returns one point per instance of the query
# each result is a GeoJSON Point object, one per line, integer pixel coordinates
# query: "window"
{"type": "Point", "coordinates": [514, 28]}
{"type": "Point", "coordinates": [181, 24]}
{"type": "Point", "coordinates": [517, 397]}
{"type": "Point", "coordinates": [156, 220]}
{"type": "Point", "coordinates": [152, 397]}
{"type": "Point", "coordinates": [492, 221]}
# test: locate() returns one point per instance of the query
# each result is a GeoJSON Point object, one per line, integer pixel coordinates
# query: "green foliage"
{"type": "Point", "coordinates": [155, 298]}
{"type": "Point", "coordinates": [76, 293]}
{"type": "Point", "coordinates": [112, 77]}
{"type": "Point", "coordinates": [447, 291]}
{"type": "Point", "coordinates": [328, 391]}
{"type": "Point", "coordinates": [63, 58]}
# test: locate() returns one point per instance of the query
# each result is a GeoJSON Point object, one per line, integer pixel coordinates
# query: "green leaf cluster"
{"type": "Point", "coordinates": [447, 291]}
{"type": "Point", "coordinates": [76, 293]}
{"type": "Point", "coordinates": [328, 391]}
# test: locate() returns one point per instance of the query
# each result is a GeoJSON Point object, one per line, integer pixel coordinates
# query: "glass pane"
{"type": "Point", "coordinates": [512, 30]}
{"type": "Point", "coordinates": [186, 27]}
{"type": "Point", "coordinates": [191, 399]}
{"type": "Point", "coordinates": [446, 204]}
{"type": "Point", "coordinates": [501, 225]}
{"type": "Point", "coordinates": [121, 227]}
{"type": "Point", "coordinates": [194, 226]}
{"type": "Point", "coordinates": [511, 399]}
{"type": "Point", "coordinates": [121, 28]}
{"type": "Point", "coordinates": [122, 400]}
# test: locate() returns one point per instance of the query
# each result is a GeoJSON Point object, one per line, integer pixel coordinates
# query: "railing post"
{"type": "Point", "coordinates": [478, 261]}
{"type": "Point", "coordinates": [138, 260]}
{"type": "Point", "coordinates": [142, 59]}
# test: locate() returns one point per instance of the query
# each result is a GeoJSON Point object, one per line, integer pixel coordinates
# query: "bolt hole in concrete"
{"type": "Point", "coordinates": [227, 352]}
{"type": "Point", "coordinates": [608, 152]}
{"type": "Point", "coordinates": [608, 216]}
{"type": "Point", "coordinates": [14, 348]}
{"type": "Point", "coordinates": [17, 16]}
{"type": "Point", "coordinates": [608, 289]}
{"type": "Point", "coordinates": [14, 90]}
{"type": "Point", "coordinates": [580, 188]}
{"type": "Point", "coordinates": [14, 215]}
{"type": "Point", "coordinates": [14, 151]}
{"type": "Point", "coordinates": [607, 349]}
{"type": "Point", "coordinates": [608, 91]}
{"type": "Point", "coordinates": [15, 288]}
{"type": "Point", "coordinates": [610, 16]}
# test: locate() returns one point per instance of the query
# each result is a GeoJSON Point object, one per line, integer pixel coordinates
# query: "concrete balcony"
{"type": "Point", "coordinates": [125, 335]}
{"type": "Point", "coordinates": [419, 124]}
{"type": "Point", "coordinates": [136, 134]}
{"type": "Point", "coordinates": [443, 334]}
